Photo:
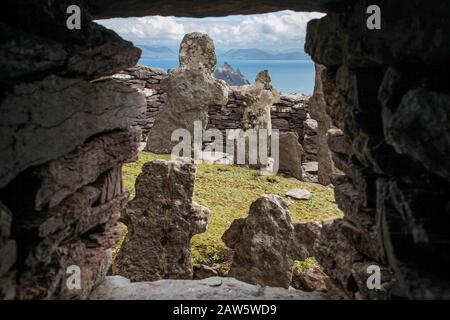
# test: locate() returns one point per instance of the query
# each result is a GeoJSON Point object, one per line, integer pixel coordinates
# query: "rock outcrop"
{"type": "Point", "coordinates": [161, 221]}
{"type": "Point", "coordinates": [71, 209]}
{"type": "Point", "coordinates": [8, 252]}
{"type": "Point", "coordinates": [191, 90]}
{"type": "Point", "coordinates": [230, 76]}
{"type": "Point", "coordinates": [262, 244]}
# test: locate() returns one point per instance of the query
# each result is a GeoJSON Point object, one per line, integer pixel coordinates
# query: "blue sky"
{"type": "Point", "coordinates": [272, 31]}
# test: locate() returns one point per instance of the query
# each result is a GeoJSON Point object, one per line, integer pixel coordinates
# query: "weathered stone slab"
{"type": "Point", "coordinates": [161, 220]}
{"type": "Point", "coordinates": [191, 91]}
{"type": "Point", "coordinates": [46, 119]}
{"type": "Point", "coordinates": [66, 174]}
{"type": "Point", "coordinates": [290, 154]}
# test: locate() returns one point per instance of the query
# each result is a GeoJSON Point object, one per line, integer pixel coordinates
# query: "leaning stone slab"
{"type": "Point", "coordinates": [299, 194]}
{"type": "Point", "coordinates": [290, 154]}
{"type": "Point", "coordinates": [63, 176]}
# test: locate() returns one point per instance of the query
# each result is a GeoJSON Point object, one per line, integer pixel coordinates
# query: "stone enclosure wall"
{"type": "Point", "coordinates": [290, 114]}
{"type": "Point", "coordinates": [64, 137]}
{"type": "Point", "coordinates": [148, 82]}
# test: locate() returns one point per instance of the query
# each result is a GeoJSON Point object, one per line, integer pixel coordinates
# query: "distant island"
{"type": "Point", "coordinates": [230, 76]}
{"type": "Point", "coordinates": [153, 52]}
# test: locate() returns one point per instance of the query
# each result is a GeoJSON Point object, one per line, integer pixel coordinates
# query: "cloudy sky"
{"type": "Point", "coordinates": [272, 31]}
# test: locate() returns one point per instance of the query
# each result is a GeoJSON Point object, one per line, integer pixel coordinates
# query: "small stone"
{"type": "Point", "coordinates": [310, 126]}
{"type": "Point", "coordinates": [299, 194]}
{"type": "Point", "coordinates": [311, 167]}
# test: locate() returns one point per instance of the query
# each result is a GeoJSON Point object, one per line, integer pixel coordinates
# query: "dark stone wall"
{"type": "Point", "coordinates": [63, 140]}
{"type": "Point", "coordinates": [387, 91]}
{"type": "Point", "coordinates": [287, 115]}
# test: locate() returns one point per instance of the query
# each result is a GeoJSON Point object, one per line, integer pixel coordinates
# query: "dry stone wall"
{"type": "Point", "coordinates": [289, 114]}
{"type": "Point", "coordinates": [63, 139]}
{"type": "Point", "coordinates": [146, 80]}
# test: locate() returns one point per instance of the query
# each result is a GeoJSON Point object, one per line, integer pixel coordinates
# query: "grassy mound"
{"type": "Point", "coordinates": [228, 191]}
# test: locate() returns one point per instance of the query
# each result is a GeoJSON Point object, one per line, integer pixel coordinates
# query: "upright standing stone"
{"type": "Point", "coordinates": [263, 244]}
{"type": "Point", "coordinates": [161, 221]}
{"type": "Point", "coordinates": [259, 98]}
{"type": "Point", "coordinates": [191, 91]}
{"type": "Point", "coordinates": [318, 111]}
{"type": "Point", "coordinates": [290, 154]}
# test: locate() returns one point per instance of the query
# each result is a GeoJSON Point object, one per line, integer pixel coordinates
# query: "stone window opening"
{"type": "Point", "coordinates": [385, 92]}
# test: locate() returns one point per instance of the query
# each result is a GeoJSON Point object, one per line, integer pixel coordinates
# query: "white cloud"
{"type": "Point", "coordinates": [147, 28]}
{"type": "Point", "coordinates": [279, 30]}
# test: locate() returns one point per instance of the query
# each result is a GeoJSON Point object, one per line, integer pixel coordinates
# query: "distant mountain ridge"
{"type": "Point", "coordinates": [258, 54]}
{"type": "Point", "coordinates": [151, 52]}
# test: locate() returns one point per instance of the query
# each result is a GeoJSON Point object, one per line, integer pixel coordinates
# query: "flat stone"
{"type": "Point", "coordinates": [214, 288]}
{"type": "Point", "coordinates": [299, 194]}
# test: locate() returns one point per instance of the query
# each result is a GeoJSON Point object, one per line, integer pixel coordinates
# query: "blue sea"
{"type": "Point", "coordinates": [288, 76]}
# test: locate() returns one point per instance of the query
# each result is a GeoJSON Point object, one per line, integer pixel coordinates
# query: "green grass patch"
{"type": "Point", "coordinates": [228, 191]}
